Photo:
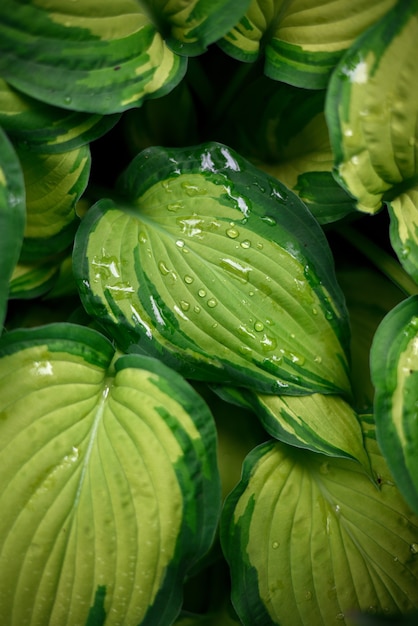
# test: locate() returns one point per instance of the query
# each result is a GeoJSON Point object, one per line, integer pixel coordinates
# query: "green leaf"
{"type": "Point", "coordinates": [404, 229]}
{"type": "Point", "coordinates": [325, 424]}
{"type": "Point", "coordinates": [54, 184]}
{"type": "Point", "coordinates": [394, 369]}
{"type": "Point", "coordinates": [44, 128]}
{"type": "Point", "coordinates": [193, 25]}
{"type": "Point", "coordinates": [373, 119]}
{"type": "Point", "coordinates": [95, 56]}
{"type": "Point", "coordinates": [302, 40]}
{"type": "Point", "coordinates": [283, 131]}
{"type": "Point", "coordinates": [108, 482]}
{"type": "Point", "coordinates": [33, 280]}
{"type": "Point", "coordinates": [12, 217]}
{"type": "Point", "coordinates": [218, 269]}
{"type": "Point", "coordinates": [311, 539]}
{"type": "Point", "coordinates": [369, 296]}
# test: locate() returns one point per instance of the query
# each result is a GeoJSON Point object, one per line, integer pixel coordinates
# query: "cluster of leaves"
{"type": "Point", "coordinates": [209, 350]}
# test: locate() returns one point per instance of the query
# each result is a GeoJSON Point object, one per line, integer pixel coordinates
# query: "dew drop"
{"type": "Point", "coordinates": [268, 343]}
{"type": "Point", "coordinates": [180, 243]}
{"type": "Point", "coordinates": [339, 616]}
{"type": "Point", "coordinates": [329, 315]}
{"type": "Point", "coordinates": [173, 207]}
{"type": "Point", "coordinates": [245, 350]}
{"type": "Point", "coordinates": [246, 244]}
{"type": "Point", "coordinates": [68, 100]}
{"type": "Point", "coordinates": [184, 305]}
{"type": "Point", "coordinates": [269, 220]}
{"type": "Point", "coordinates": [196, 309]}
{"type": "Point", "coordinates": [142, 238]}
{"type": "Point", "coordinates": [337, 509]}
{"type": "Point", "coordinates": [275, 545]}
{"type": "Point", "coordinates": [164, 270]}
{"type": "Point", "coordinates": [259, 246]}
{"type": "Point", "coordinates": [188, 279]}
{"type": "Point", "coordinates": [258, 326]}
{"type": "Point", "coordinates": [414, 548]}
{"type": "Point", "coordinates": [232, 233]}
{"type": "Point", "coordinates": [318, 359]}
{"type": "Point", "coordinates": [201, 293]}
{"type": "Point", "coordinates": [212, 303]}
{"type": "Point", "coordinates": [308, 595]}
{"type": "Point", "coordinates": [314, 311]}
{"type": "Point", "coordinates": [348, 132]}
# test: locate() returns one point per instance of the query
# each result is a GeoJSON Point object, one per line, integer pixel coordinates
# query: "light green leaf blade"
{"type": "Point", "coordinates": [325, 424]}
{"type": "Point", "coordinates": [311, 539]}
{"type": "Point", "coordinates": [302, 40]}
{"type": "Point", "coordinates": [403, 211]}
{"type": "Point", "coordinates": [97, 56]}
{"type": "Point", "coordinates": [394, 369]}
{"type": "Point", "coordinates": [218, 269]}
{"type": "Point", "coordinates": [373, 119]}
{"type": "Point", "coordinates": [54, 184]}
{"type": "Point", "coordinates": [108, 484]}
{"type": "Point", "coordinates": [46, 128]}
{"type": "Point", "coordinates": [12, 217]}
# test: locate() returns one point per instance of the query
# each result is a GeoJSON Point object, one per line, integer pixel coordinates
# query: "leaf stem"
{"type": "Point", "coordinates": [384, 262]}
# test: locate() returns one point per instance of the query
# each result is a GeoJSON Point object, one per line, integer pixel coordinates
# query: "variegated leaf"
{"type": "Point", "coordinates": [12, 217]}
{"type": "Point", "coordinates": [109, 489]}
{"type": "Point", "coordinates": [372, 110]}
{"type": "Point", "coordinates": [311, 541]}
{"type": "Point", "coordinates": [54, 184]}
{"type": "Point", "coordinates": [394, 368]}
{"type": "Point", "coordinates": [303, 39]}
{"type": "Point", "coordinates": [217, 268]}
{"type": "Point", "coordinates": [45, 128]}
{"type": "Point", "coordinates": [403, 211]}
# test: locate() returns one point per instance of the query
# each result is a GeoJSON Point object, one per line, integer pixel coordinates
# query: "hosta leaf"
{"type": "Point", "coordinates": [311, 539]}
{"type": "Point", "coordinates": [320, 423]}
{"type": "Point", "coordinates": [193, 25]}
{"type": "Point", "coordinates": [394, 369]}
{"type": "Point", "coordinates": [303, 39]}
{"type": "Point", "coordinates": [46, 128]}
{"type": "Point", "coordinates": [373, 120]}
{"type": "Point", "coordinates": [217, 268]}
{"type": "Point", "coordinates": [403, 211]}
{"type": "Point", "coordinates": [283, 131]}
{"type": "Point", "coordinates": [98, 56]}
{"type": "Point", "coordinates": [12, 217]}
{"type": "Point", "coordinates": [369, 296]}
{"type": "Point", "coordinates": [108, 483]}
{"type": "Point", "coordinates": [33, 280]}
{"type": "Point", "coordinates": [54, 184]}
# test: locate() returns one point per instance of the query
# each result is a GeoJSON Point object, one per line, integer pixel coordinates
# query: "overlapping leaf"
{"type": "Point", "coordinates": [98, 56]}
{"type": "Point", "coordinates": [45, 128]}
{"type": "Point", "coordinates": [325, 424]}
{"type": "Point", "coordinates": [394, 368]}
{"type": "Point", "coordinates": [403, 211]}
{"type": "Point", "coordinates": [54, 184]}
{"type": "Point", "coordinates": [108, 483]}
{"type": "Point", "coordinates": [372, 110]}
{"type": "Point", "coordinates": [302, 40]}
{"type": "Point", "coordinates": [104, 56]}
{"type": "Point", "coordinates": [217, 268]}
{"type": "Point", "coordinates": [283, 130]}
{"type": "Point", "coordinates": [310, 540]}
{"type": "Point", "coordinates": [193, 25]}
{"type": "Point", "coordinates": [12, 217]}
